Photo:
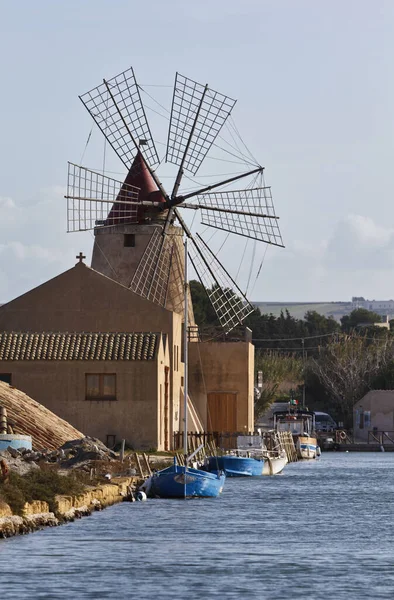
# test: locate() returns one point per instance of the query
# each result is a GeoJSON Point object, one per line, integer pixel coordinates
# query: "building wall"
{"type": "Point", "coordinates": [81, 299]}
{"type": "Point", "coordinates": [223, 367]}
{"type": "Point", "coordinates": [374, 410]}
{"type": "Point", "coordinates": [60, 387]}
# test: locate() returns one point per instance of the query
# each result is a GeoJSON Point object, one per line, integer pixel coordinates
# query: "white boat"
{"type": "Point", "coordinates": [301, 424]}
{"type": "Point", "coordinates": [306, 446]}
{"type": "Point", "coordinates": [274, 460]}
{"type": "Point", "coordinates": [274, 463]}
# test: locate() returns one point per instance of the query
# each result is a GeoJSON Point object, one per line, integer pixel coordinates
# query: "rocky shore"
{"type": "Point", "coordinates": [87, 458]}
{"type": "Point", "coordinates": [36, 514]}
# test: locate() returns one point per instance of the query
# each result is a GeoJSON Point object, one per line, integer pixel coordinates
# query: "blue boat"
{"type": "Point", "coordinates": [236, 466]}
{"type": "Point", "coordinates": [185, 482]}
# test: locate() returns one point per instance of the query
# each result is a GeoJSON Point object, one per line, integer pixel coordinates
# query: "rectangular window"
{"type": "Point", "coordinates": [6, 377]}
{"type": "Point", "coordinates": [129, 240]}
{"type": "Point", "coordinates": [100, 386]}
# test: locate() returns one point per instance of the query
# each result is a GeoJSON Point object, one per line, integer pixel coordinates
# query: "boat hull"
{"type": "Point", "coordinates": [236, 466]}
{"type": "Point", "coordinates": [306, 447]}
{"type": "Point", "coordinates": [275, 465]}
{"type": "Point", "coordinates": [177, 482]}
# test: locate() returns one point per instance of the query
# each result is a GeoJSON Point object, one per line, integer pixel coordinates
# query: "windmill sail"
{"type": "Point", "coordinates": [151, 278]}
{"type": "Point", "coordinates": [229, 303]}
{"type": "Point", "coordinates": [197, 116]}
{"type": "Point", "coordinates": [117, 108]}
{"type": "Point", "coordinates": [91, 196]}
{"type": "Point", "coordinates": [248, 212]}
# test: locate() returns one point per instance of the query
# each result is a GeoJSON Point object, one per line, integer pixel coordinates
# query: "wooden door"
{"type": "Point", "coordinates": [222, 412]}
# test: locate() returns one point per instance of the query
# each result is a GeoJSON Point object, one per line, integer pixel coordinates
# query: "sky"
{"type": "Point", "coordinates": [314, 88]}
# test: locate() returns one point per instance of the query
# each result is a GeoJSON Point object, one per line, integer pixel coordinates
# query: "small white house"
{"type": "Point", "coordinates": [374, 412]}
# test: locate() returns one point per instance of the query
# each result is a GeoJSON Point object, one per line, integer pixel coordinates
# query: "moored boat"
{"type": "Point", "coordinates": [236, 465]}
{"type": "Point", "coordinates": [275, 459]}
{"type": "Point", "coordinates": [274, 464]}
{"type": "Point", "coordinates": [301, 423]}
{"type": "Point", "coordinates": [178, 481]}
{"type": "Point", "coordinates": [306, 446]}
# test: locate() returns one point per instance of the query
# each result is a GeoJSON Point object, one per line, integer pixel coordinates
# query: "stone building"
{"type": "Point", "coordinates": [94, 346]}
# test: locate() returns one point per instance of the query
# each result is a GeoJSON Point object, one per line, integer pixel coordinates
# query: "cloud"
{"type": "Point", "coordinates": [355, 258]}
{"type": "Point", "coordinates": [34, 245]}
{"type": "Point", "coordinates": [359, 243]}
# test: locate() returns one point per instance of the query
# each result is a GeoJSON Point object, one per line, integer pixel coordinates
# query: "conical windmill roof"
{"type": "Point", "coordinates": [140, 177]}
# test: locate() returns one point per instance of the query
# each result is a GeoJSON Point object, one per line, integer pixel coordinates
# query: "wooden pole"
{"type": "Point", "coordinates": [121, 458]}
{"type": "Point", "coordinates": [147, 464]}
{"type": "Point", "coordinates": [137, 460]}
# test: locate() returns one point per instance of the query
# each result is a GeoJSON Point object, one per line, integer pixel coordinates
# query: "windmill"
{"type": "Point", "coordinates": [98, 202]}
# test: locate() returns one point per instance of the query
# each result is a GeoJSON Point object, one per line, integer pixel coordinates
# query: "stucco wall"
{"type": "Point", "coordinates": [223, 367]}
{"type": "Point", "coordinates": [380, 404]}
{"type": "Point", "coordinates": [81, 299]}
{"type": "Point", "coordinates": [60, 386]}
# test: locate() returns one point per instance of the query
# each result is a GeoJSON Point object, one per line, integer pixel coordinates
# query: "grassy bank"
{"type": "Point", "coordinates": [39, 484]}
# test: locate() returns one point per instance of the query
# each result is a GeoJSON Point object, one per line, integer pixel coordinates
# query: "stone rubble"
{"type": "Point", "coordinates": [73, 454]}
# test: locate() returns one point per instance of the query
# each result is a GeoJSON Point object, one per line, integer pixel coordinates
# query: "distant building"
{"type": "Point", "coordinates": [381, 307]}
{"type": "Point", "coordinates": [383, 324]}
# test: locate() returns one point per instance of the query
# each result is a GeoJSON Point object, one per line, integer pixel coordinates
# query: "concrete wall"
{"type": "Point", "coordinates": [380, 405]}
{"type": "Point", "coordinates": [223, 367]}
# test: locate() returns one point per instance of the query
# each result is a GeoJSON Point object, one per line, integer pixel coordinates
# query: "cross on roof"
{"type": "Point", "coordinates": [80, 257]}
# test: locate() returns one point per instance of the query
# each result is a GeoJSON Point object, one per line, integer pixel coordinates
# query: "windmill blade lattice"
{"type": "Point", "coordinates": [91, 196]}
{"type": "Point", "coordinates": [151, 278]}
{"type": "Point", "coordinates": [229, 303]}
{"type": "Point", "coordinates": [248, 212]}
{"type": "Point", "coordinates": [117, 108]}
{"type": "Point", "coordinates": [197, 116]}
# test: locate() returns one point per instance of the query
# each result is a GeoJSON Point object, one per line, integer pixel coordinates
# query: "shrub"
{"type": "Point", "coordinates": [38, 485]}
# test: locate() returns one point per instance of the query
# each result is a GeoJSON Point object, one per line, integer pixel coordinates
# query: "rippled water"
{"type": "Point", "coordinates": [323, 529]}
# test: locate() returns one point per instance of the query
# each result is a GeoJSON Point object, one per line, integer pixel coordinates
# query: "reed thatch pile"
{"type": "Point", "coordinates": [28, 417]}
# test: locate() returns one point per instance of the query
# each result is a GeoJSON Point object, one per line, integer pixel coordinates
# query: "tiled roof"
{"type": "Point", "coordinates": [78, 346]}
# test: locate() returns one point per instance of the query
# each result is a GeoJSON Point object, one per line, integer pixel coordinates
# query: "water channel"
{"type": "Point", "coordinates": [322, 529]}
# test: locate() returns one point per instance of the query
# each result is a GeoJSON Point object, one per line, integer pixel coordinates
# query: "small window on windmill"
{"type": "Point", "coordinates": [129, 240]}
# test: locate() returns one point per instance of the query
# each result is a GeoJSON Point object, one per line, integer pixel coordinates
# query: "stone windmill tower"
{"type": "Point", "coordinates": [137, 225]}
{"type": "Point", "coordinates": [129, 245]}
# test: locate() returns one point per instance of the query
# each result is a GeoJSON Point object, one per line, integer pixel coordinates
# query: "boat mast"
{"type": "Point", "coordinates": [185, 356]}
